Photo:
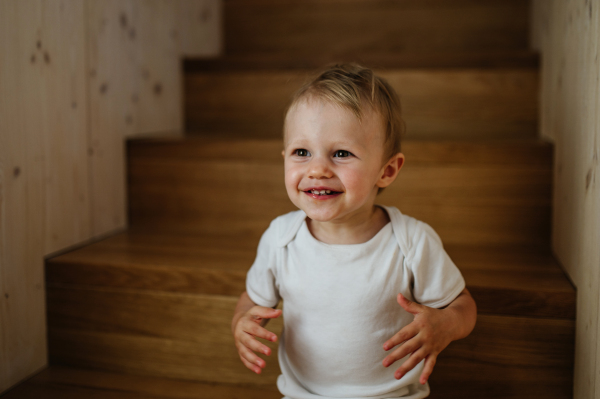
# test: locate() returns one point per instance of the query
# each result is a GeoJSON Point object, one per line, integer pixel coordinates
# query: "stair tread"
{"type": "Point", "coordinates": [455, 59]}
{"type": "Point", "coordinates": [504, 279]}
{"type": "Point", "coordinates": [436, 102]}
{"type": "Point", "coordinates": [236, 145]}
{"type": "Point", "coordinates": [68, 382]}
{"type": "Point", "coordinates": [485, 191]}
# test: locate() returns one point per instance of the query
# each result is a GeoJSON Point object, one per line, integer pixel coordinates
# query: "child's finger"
{"type": "Point", "coordinates": [405, 349]}
{"type": "Point", "coordinates": [409, 364]}
{"type": "Point", "coordinates": [428, 369]}
{"type": "Point", "coordinates": [261, 312]}
{"type": "Point", "coordinates": [251, 366]}
{"type": "Point", "coordinates": [409, 306]}
{"type": "Point", "coordinates": [258, 331]}
{"type": "Point", "coordinates": [251, 343]}
{"type": "Point", "coordinates": [251, 356]}
{"type": "Point", "coordinates": [404, 334]}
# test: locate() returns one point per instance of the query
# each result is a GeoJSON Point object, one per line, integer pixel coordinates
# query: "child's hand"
{"type": "Point", "coordinates": [430, 332]}
{"type": "Point", "coordinates": [247, 328]}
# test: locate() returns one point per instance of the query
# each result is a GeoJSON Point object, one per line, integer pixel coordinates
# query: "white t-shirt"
{"type": "Point", "coordinates": [340, 304]}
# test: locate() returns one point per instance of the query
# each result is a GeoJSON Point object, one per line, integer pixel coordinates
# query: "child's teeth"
{"type": "Point", "coordinates": [320, 192]}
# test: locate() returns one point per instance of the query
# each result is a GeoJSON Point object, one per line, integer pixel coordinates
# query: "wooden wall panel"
{"type": "Point", "coordinates": [134, 80]}
{"type": "Point", "coordinates": [60, 58]}
{"type": "Point", "coordinates": [22, 305]}
{"type": "Point", "coordinates": [199, 27]}
{"type": "Point", "coordinates": [110, 54]}
{"type": "Point", "coordinates": [67, 103]}
{"type": "Point", "coordinates": [156, 67]}
{"type": "Point", "coordinates": [568, 36]}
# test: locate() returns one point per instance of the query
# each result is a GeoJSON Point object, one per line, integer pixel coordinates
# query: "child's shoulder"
{"type": "Point", "coordinates": [410, 233]}
{"type": "Point", "coordinates": [283, 228]}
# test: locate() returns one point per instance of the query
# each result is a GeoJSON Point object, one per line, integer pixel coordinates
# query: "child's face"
{"type": "Point", "coordinates": [333, 162]}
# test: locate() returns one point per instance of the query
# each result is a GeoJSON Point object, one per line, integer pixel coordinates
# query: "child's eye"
{"type": "Point", "coordinates": [342, 154]}
{"type": "Point", "coordinates": [302, 152]}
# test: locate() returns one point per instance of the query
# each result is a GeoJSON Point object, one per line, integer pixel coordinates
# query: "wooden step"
{"type": "Point", "coordinates": [486, 192]}
{"type": "Point", "coordinates": [59, 382]}
{"type": "Point", "coordinates": [507, 280]}
{"type": "Point", "coordinates": [160, 303]}
{"type": "Point", "coordinates": [350, 27]}
{"type": "Point", "coordinates": [397, 60]}
{"type": "Point", "coordinates": [436, 103]}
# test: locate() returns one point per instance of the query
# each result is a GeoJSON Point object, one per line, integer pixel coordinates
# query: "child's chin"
{"type": "Point", "coordinates": [319, 216]}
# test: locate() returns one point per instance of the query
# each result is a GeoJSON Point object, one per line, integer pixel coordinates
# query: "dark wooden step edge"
{"type": "Point", "coordinates": [534, 152]}
{"type": "Point", "coordinates": [254, 62]}
{"type": "Point", "coordinates": [533, 302]}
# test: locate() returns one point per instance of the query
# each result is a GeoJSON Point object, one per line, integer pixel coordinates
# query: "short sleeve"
{"type": "Point", "coordinates": [436, 279]}
{"type": "Point", "coordinates": [261, 280]}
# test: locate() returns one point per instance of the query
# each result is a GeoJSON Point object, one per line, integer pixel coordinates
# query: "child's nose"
{"type": "Point", "coordinates": [319, 169]}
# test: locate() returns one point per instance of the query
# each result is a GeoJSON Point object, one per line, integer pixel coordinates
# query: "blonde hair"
{"type": "Point", "coordinates": [353, 86]}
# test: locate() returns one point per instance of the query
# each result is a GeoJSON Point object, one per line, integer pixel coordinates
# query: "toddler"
{"type": "Point", "coordinates": [363, 286]}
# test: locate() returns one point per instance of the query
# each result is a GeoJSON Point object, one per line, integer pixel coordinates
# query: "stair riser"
{"type": "Point", "coordinates": [435, 103]}
{"type": "Point", "coordinates": [464, 204]}
{"type": "Point", "coordinates": [215, 279]}
{"type": "Point", "coordinates": [317, 28]}
{"type": "Point", "coordinates": [189, 337]}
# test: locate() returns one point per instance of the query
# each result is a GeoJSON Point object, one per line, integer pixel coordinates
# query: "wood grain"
{"type": "Point", "coordinates": [441, 103]}
{"type": "Point", "coordinates": [566, 34]}
{"type": "Point", "coordinates": [157, 71]}
{"type": "Point", "coordinates": [181, 336]}
{"type": "Point", "coordinates": [59, 382]}
{"type": "Point", "coordinates": [504, 280]}
{"type": "Point", "coordinates": [61, 61]}
{"type": "Point", "coordinates": [479, 201]}
{"type": "Point", "coordinates": [22, 184]}
{"type": "Point", "coordinates": [350, 27]}
{"type": "Point", "coordinates": [199, 28]}
{"type": "Point", "coordinates": [276, 61]}
{"type": "Point", "coordinates": [110, 82]}
{"type": "Point", "coordinates": [188, 336]}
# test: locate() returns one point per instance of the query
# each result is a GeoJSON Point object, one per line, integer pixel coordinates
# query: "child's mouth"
{"type": "Point", "coordinates": [322, 193]}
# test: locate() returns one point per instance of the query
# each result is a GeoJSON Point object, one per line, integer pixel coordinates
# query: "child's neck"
{"type": "Point", "coordinates": [356, 230]}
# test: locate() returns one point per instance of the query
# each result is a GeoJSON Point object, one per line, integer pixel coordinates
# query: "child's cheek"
{"type": "Point", "coordinates": [357, 182]}
{"type": "Point", "coordinates": [292, 180]}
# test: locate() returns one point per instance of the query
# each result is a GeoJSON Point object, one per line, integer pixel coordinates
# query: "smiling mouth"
{"type": "Point", "coordinates": [321, 192]}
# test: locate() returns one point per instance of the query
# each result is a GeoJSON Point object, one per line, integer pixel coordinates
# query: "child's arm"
{"type": "Point", "coordinates": [246, 325]}
{"type": "Point", "coordinates": [430, 332]}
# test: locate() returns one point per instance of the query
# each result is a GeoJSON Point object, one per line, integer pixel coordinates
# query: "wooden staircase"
{"type": "Point", "coordinates": [157, 300]}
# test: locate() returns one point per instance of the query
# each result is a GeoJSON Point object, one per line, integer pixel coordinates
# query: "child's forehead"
{"type": "Point", "coordinates": [321, 119]}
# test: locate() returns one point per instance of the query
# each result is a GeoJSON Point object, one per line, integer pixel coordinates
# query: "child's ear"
{"type": "Point", "coordinates": [390, 170]}
{"type": "Point", "coordinates": [283, 153]}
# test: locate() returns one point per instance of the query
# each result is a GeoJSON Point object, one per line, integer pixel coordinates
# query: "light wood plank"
{"type": "Point", "coordinates": [61, 59]}
{"type": "Point", "coordinates": [22, 304]}
{"type": "Point", "coordinates": [442, 103]}
{"type": "Point", "coordinates": [199, 28]}
{"type": "Point", "coordinates": [110, 52]}
{"type": "Point", "coordinates": [156, 66]}
{"type": "Point", "coordinates": [567, 34]}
